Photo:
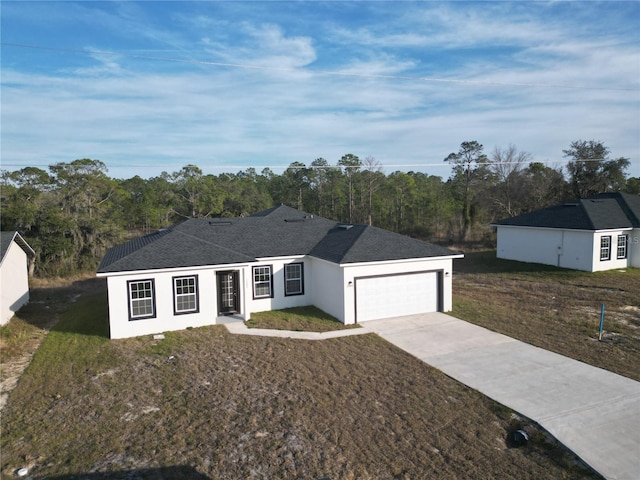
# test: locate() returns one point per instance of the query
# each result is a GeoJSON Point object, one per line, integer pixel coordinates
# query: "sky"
{"type": "Point", "coordinates": [152, 86]}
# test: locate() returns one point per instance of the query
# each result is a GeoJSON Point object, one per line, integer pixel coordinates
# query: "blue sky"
{"type": "Point", "coordinates": [152, 86]}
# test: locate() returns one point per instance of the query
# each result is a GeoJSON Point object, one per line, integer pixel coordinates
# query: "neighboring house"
{"type": "Point", "coordinates": [601, 232]}
{"type": "Point", "coordinates": [16, 257]}
{"type": "Point", "coordinates": [195, 273]}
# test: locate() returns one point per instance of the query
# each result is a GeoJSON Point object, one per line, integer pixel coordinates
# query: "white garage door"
{"type": "Point", "coordinates": [396, 295]}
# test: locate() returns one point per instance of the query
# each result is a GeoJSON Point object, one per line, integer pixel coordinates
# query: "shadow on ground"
{"type": "Point", "coordinates": [48, 308]}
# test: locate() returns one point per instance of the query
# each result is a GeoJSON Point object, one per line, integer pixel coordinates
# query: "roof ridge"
{"type": "Point", "coordinates": [359, 231]}
{"type": "Point", "coordinates": [629, 210]}
{"type": "Point", "coordinates": [586, 212]}
{"type": "Point", "coordinates": [272, 210]}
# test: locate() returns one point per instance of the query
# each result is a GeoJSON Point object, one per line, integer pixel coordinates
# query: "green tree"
{"type": "Point", "coordinates": [319, 179]}
{"type": "Point", "coordinates": [401, 193]}
{"type": "Point", "coordinates": [24, 193]}
{"type": "Point", "coordinates": [83, 185]}
{"type": "Point", "coordinates": [591, 171]}
{"type": "Point", "coordinates": [469, 167]}
{"type": "Point", "coordinates": [371, 179]}
{"type": "Point", "coordinates": [633, 186]}
{"type": "Point", "coordinates": [292, 186]}
{"type": "Point", "coordinates": [147, 205]}
{"type": "Point", "coordinates": [245, 193]}
{"type": "Point", "coordinates": [433, 208]}
{"type": "Point", "coordinates": [543, 186]}
{"type": "Point", "coordinates": [83, 193]}
{"type": "Point", "coordinates": [351, 165]}
{"type": "Point", "coordinates": [196, 193]}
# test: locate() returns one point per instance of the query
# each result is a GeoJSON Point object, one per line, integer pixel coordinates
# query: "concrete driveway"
{"type": "Point", "coordinates": [593, 412]}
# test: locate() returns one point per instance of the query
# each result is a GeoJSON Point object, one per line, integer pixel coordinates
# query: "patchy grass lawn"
{"type": "Point", "coordinates": [553, 308]}
{"type": "Point", "coordinates": [48, 298]}
{"type": "Point", "coordinates": [304, 319]}
{"type": "Point", "coordinates": [206, 404]}
{"type": "Point", "coordinates": [22, 335]}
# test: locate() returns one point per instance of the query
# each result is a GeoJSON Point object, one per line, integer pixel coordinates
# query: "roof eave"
{"type": "Point", "coordinates": [613, 229]}
{"type": "Point", "coordinates": [23, 244]}
{"type": "Point", "coordinates": [153, 271]}
{"type": "Point", "coordinates": [402, 260]}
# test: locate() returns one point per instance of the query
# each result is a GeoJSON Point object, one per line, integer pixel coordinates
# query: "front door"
{"type": "Point", "coordinates": [228, 292]}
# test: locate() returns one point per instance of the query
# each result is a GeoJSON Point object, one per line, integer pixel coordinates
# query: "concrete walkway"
{"type": "Point", "coordinates": [593, 412]}
{"type": "Point", "coordinates": [240, 328]}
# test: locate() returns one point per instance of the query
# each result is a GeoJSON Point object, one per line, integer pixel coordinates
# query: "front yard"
{"type": "Point", "coordinates": [203, 403]}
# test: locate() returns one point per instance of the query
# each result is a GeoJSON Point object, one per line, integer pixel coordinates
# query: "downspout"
{"type": "Point", "coordinates": [560, 248]}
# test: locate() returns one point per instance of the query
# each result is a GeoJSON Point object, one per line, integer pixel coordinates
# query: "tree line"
{"type": "Point", "coordinates": [73, 212]}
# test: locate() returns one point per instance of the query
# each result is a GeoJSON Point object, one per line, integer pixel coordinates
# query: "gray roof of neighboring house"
{"type": "Point", "coordinates": [7, 237]}
{"type": "Point", "coordinates": [277, 232]}
{"type": "Point", "coordinates": [600, 212]}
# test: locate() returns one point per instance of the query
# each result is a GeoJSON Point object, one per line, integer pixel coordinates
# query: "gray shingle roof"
{"type": "Point", "coordinates": [362, 243]}
{"type": "Point", "coordinates": [599, 212]}
{"type": "Point", "coordinates": [279, 231]}
{"type": "Point", "coordinates": [7, 237]}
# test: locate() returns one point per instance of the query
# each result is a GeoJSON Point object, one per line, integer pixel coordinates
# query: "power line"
{"type": "Point", "coordinates": [321, 167]}
{"type": "Point", "coordinates": [317, 72]}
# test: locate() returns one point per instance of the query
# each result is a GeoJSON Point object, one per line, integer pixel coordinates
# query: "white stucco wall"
{"type": "Point", "coordinates": [165, 320]}
{"type": "Point", "coordinates": [326, 285]}
{"type": "Point", "coordinates": [14, 273]}
{"type": "Point", "coordinates": [550, 246]}
{"type": "Point", "coordinates": [328, 294]}
{"type": "Point", "coordinates": [574, 249]}
{"type": "Point", "coordinates": [445, 265]}
{"type": "Point", "coordinates": [279, 300]}
{"type": "Point", "coordinates": [613, 262]}
{"type": "Point", "coordinates": [208, 313]}
{"type": "Point", "coordinates": [634, 248]}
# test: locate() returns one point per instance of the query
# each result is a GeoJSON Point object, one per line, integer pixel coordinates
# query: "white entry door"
{"type": "Point", "coordinates": [396, 295]}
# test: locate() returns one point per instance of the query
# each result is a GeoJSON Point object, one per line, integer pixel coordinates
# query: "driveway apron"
{"type": "Point", "coordinates": [593, 412]}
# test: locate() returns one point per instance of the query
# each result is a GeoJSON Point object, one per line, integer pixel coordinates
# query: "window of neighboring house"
{"type": "Point", "coordinates": [605, 248]}
{"type": "Point", "coordinates": [142, 300]}
{"type": "Point", "coordinates": [294, 279]}
{"type": "Point", "coordinates": [622, 246]}
{"type": "Point", "coordinates": [262, 282]}
{"type": "Point", "coordinates": [185, 294]}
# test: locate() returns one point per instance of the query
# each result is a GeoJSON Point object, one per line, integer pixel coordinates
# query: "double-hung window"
{"type": "Point", "coordinates": [622, 246]}
{"type": "Point", "coordinates": [142, 300]}
{"type": "Point", "coordinates": [605, 248]}
{"type": "Point", "coordinates": [262, 282]}
{"type": "Point", "coordinates": [185, 294]}
{"type": "Point", "coordinates": [294, 279]}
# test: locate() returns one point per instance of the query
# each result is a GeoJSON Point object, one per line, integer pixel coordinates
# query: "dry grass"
{"type": "Point", "coordinates": [553, 308]}
{"type": "Point", "coordinates": [304, 319]}
{"type": "Point", "coordinates": [203, 403]}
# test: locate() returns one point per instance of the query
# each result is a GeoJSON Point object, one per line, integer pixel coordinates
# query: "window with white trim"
{"type": "Point", "coordinates": [605, 248]}
{"type": "Point", "coordinates": [622, 246]}
{"type": "Point", "coordinates": [294, 279]}
{"type": "Point", "coordinates": [185, 294]}
{"type": "Point", "coordinates": [262, 282]}
{"type": "Point", "coordinates": [142, 301]}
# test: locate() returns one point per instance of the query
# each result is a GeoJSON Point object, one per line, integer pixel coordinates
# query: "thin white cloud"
{"type": "Point", "coordinates": [122, 109]}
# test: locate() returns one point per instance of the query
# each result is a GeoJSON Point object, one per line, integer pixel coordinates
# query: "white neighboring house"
{"type": "Point", "coordinates": [601, 232]}
{"type": "Point", "coordinates": [196, 273]}
{"type": "Point", "coordinates": [16, 257]}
